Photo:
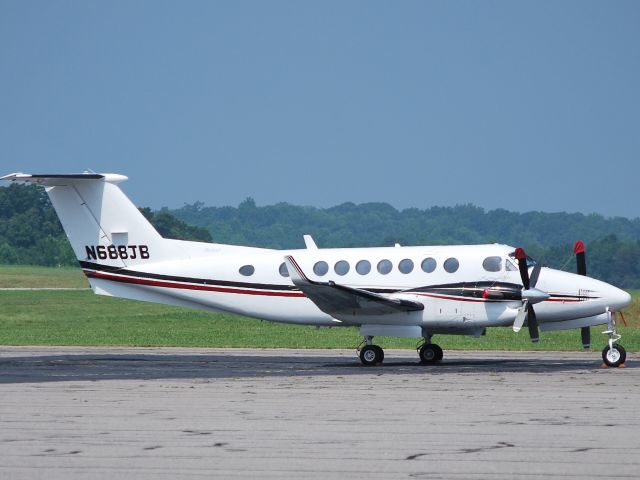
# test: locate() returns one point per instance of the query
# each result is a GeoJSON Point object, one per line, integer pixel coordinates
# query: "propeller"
{"type": "Point", "coordinates": [581, 268]}
{"type": "Point", "coordinates": [530, 296]}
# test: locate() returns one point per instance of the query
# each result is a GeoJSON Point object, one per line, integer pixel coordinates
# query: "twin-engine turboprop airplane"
{"type": "Point", "coordinates": [394, 291]}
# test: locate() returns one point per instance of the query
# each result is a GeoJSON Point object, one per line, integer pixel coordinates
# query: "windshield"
{"type": "Point", "coordinates": [530, 261]}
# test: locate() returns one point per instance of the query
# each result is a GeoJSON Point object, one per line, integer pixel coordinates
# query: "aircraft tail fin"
{"type": "Point", "coordinates": [102, 224]}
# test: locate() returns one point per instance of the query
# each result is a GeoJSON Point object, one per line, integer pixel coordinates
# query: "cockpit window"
{"type": "Point", "coordinates": [530, 261]}
{"type": "Point", "coordinates": [511, 266]}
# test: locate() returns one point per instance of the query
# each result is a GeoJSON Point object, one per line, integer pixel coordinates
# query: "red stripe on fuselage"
{"type": "Point", "coordinates": [270, 293]}
{"type": "Point", "coordinates": [183, 286]}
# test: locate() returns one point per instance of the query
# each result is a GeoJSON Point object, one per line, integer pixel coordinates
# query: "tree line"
{"type": "Point", "coordinates": [30, 232]}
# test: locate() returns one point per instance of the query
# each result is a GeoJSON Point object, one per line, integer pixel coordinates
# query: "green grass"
{"type": "Point", "coordinates": [29, 276]}
{"type": "Point", "coordinates": [82, 318]}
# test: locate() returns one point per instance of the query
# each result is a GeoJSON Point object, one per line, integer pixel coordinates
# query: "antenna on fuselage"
{"type": "Point", "coordinates": [309, 243]}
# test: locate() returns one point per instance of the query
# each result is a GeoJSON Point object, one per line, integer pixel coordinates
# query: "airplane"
{"type": "Point", "coordinates": [404, 291]}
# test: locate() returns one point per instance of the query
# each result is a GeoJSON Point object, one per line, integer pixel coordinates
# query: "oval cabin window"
{"type": "Point", "coordinates": [405, 266]}
{"type": "Point", "coordinates": [320, 268]}
{"type": "Point", "coordinates": [247, 270]}
{"type": "Point", "coordinates": [492, 264]}
{"type": "Point", "coordinates": [341, 267]}
{"type": "Point", "coordinates": [451, 265]}
{"type": "Point", "coordinates": [283, 270]}
{"type": "Point", "coordinates": [428, 265]}
{"type": "Point", "coordinates": [363, 267]}
{"type": "Point", "coordinates": [384, 266]}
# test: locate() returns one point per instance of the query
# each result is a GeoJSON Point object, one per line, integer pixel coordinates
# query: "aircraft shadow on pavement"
{"type": "Point", "coordinates": [99, 367]}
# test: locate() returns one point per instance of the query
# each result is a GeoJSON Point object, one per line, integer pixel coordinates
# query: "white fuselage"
{"type": "Point", "coordinates": [209, 277]}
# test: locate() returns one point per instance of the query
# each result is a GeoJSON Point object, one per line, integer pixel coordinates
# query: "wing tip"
{"type": "Point", "coordinates": [295, 271]}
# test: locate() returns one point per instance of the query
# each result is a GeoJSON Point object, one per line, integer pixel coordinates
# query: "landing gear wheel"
{"type": "Point", "coordinates": [430, 353]}
{"type": "Point", "coordinates": [614, 356]}
{"type": "Point", "coordinates": [371, 355]}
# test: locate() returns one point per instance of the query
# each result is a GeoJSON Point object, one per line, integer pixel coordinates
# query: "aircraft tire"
{"type": "Point", "coordinates": [614, 357]}
{"type": "Point", "coordinates": [371, 355]}
{"type": "Point", "coordinates": [430, 354]}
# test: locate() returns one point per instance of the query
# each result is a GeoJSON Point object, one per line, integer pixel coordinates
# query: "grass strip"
{"type": "Point", "coordinates": [82, 318]}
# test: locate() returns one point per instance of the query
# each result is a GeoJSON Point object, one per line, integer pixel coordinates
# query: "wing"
{"type": "Point", "coordinates": [335, 299]}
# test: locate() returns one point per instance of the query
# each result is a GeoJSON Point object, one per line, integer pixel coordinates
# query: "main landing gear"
{"type": "Point", "coordinates": [371, 354]}
{"type": "Point", "coordinates": [430, 353]}
{"type": "Point", "coordinates": [613, 355]}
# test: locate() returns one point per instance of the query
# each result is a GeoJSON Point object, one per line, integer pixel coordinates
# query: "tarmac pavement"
{"type": "Point", "coordinates": [143, 413]}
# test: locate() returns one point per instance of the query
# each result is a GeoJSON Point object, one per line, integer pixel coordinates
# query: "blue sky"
{"type": "Point", "coordinates": [517, 105]}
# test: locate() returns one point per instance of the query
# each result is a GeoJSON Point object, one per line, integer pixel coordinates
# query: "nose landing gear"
{"type": "Point", "coordinates": [613, 355]}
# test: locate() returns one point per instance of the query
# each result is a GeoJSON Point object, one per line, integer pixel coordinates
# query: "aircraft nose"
{"type": "Point", "coordinates": [618, 299]}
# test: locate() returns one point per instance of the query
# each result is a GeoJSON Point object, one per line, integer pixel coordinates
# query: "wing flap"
{"type": "Point", "coordinates": [335, 299]}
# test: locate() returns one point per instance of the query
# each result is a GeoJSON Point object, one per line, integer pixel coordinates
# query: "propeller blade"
{"type": "Point", "coordinates": [585, 332]}
{"type": "Point", "coordinates": [579, 251]}
{"type": "Point", "coordinates": [581, 268]}
{"type": "Point", "coordinates": [623, 319]}
{"type": "Point", "coordinates": [522, 265]}
{"type": "Point", "coordinates": [520, 317]}
{"type": "Point", "coordinates": [532, 322]}
{"type": "Point", "coordinates": [535, 274]}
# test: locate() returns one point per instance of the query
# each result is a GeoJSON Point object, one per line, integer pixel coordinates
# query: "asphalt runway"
{"type": "Point", "coordinates": [105, 413]}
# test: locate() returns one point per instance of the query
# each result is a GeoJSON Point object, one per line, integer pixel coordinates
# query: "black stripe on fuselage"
{"type": "Point", "coordinates": [172, 278]}
{"type": "Point", "coordinates": [498, 290]}
{"type": "Point", "coordinates": [508, 291]}
{"type": "Point", "coordinates": [490, 290]}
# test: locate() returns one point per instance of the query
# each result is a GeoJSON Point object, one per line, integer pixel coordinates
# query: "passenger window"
{"type": "Point", "coordinates": [451, 265]}
{"type": "Point", "coordinates": [320, 268]}
{"type": "Point", "coordinates": [363, 267]}
{"type": "Point", "coordinates": [492, 264]}
{"type": "Point", "coordinates": [405, 266]}
{"type": "Point", "coordinates": [384, 266]}
{"type": "Point", "coordinates": [428, 265]}
{"type": "Point", "coordinates": [247, 270]}
{"type": "Point", "coordinates": [341, 267]}
{"type": "Point", "coordinates": [283, 270]}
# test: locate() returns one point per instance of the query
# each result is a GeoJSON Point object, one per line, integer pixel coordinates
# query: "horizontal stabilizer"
{"type": "Point", "coordinates": [335, 299]}
{"type": "Point", "coordinates": [56, 179]}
